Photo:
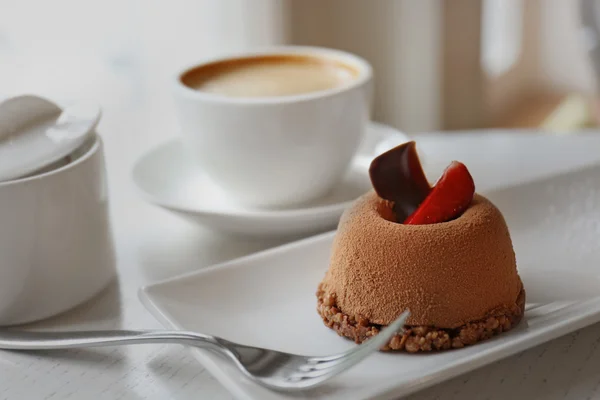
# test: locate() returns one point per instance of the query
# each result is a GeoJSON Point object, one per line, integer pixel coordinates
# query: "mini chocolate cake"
{"type": "Point", "coordinates": [458, 278]}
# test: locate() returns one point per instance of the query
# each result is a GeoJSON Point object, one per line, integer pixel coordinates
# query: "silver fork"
{"type": "Point", "coordinates": [272, 369]}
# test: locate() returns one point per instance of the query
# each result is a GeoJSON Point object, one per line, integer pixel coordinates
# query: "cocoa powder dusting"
{"type": "Point", "coordinates": [447, 274]}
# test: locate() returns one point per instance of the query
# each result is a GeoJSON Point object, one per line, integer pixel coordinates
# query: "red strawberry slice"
{"type": "Point", "coordinates": [450, 196]}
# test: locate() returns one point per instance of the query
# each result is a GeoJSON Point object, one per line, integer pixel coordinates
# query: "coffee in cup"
{"type": "Point", "coordinates": [270, 76]}
{"type": "Point", "coordinates": [277, 127]}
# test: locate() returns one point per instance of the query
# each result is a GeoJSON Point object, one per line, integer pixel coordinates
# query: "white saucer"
{"type": "Point", "coordinates": [167, 178]}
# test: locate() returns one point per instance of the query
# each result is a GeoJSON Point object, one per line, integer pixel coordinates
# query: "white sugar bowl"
{"type": "Point", "coordinates": [56, 246]}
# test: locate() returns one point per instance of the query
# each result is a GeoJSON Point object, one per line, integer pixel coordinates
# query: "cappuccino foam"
{"type": "Point", "coordinates": [269, 76]}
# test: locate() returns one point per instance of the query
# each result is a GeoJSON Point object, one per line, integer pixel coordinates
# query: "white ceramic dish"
{"type": "Point", "coordinates": [165, 176]}
{"type": "Point", "coordinates": [268, 299]}
{"type": "Point", "coordinates": [56, 248]}
{"type": "Point", "coordinates": [35, 133]}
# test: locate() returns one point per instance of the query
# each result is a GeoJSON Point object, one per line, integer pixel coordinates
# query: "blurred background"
{"type": "Point", "coordinates": [440, 64]}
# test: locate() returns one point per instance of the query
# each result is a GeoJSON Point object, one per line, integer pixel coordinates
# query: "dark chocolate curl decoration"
{"type": "Point", "coordinates": [397, 176]}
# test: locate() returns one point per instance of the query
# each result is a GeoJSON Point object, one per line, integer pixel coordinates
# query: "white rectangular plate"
{"type": "Point", "coordinates": [268, 299]}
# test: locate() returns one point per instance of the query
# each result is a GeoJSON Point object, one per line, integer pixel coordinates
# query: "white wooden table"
{"type": "Point", "coordinates": [153, 244]}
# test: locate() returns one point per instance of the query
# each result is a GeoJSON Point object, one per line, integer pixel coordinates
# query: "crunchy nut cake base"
{"type": "Point", "coordinates": [419, 338]}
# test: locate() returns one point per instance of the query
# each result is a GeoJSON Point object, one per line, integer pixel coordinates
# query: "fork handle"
{"type": "Point", "coordinates": [21, 340]}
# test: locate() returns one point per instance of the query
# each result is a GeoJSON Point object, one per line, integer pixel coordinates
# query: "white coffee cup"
{"type": "Point", "coordinates": [276, 150]}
